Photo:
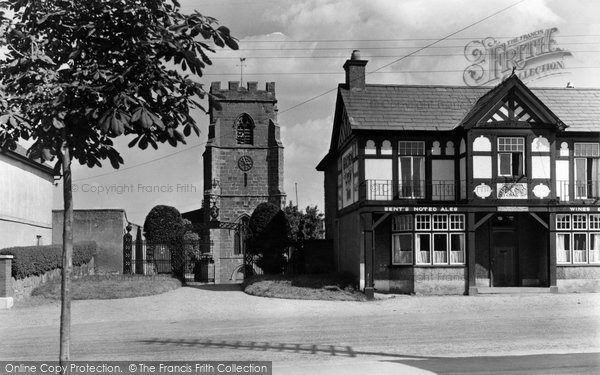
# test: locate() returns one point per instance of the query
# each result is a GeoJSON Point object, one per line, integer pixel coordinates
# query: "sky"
{"type": "Point", "coordinates": [302, 45]}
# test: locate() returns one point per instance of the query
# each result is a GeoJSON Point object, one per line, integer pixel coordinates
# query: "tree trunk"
{"type": "Point", "coordinates": [67, 259]}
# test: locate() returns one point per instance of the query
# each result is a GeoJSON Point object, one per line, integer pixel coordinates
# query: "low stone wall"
{"type": "Point", "coordinates": [425, 281]}
{"type": "Point", "coordinates": [22, 288]}
{"type": "Point", "coordinates": [440, 280]}
{"type": "Point", "coordinates": [578, 279]}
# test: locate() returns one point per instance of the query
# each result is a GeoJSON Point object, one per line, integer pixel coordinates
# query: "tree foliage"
{"type": "Point", "coordinates": [164, 225]}
{"type": "Point", "coordinates": [303, 225]}
{"type": "Point", "coordinates": [79, 73]}
{"type": "Point", "coordinates": [92, 70]}
{"type": "Point", "coordinates": [268, 226]}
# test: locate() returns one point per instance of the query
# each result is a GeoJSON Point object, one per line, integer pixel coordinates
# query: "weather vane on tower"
{"type": "Point", "coordinates": [242, 62]}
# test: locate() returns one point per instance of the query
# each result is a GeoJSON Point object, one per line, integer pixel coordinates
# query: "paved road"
{"type": "Point", "coordinates": [525, 334]}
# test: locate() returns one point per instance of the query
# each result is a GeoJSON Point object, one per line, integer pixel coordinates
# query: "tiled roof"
{"type": "Point", "coordinates": [407, 107]}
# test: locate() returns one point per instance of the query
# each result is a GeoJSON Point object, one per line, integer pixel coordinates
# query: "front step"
{"type": "Point", "coordinates": [514, 290]}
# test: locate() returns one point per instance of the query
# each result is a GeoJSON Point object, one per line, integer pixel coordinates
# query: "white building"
{"type": "Point", "coordinates": [25, 200]}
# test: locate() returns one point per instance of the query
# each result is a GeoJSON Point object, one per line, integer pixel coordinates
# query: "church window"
{"type": "Point", "coordinates": [240, 236]}
{"type": "Point", "coordinates": [244, 130]}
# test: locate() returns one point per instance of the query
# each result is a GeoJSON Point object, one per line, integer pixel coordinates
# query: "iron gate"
{"type": "Point", "coordinates": [190, 261]}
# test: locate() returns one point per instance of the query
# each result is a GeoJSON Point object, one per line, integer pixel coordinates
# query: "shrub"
{"type": "Point", "coordinates": [36, 260]}
{"type": "Point", "coordinates": [268, 225]}
{"type": "Point", "coordinates": [164, 225]}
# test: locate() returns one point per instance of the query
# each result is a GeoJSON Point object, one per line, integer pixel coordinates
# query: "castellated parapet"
{"type": "Point", "coordinates": [249, 93]}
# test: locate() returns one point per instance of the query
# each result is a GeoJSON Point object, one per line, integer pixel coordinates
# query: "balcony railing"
{"type": "Point", "coordinates": [582, 189]}
{"type": "Point", "coordinates": [379, 190]}
{"type": "Point", "coordinates": [410, 189]}
{"type": "Point", "coordinates": [443, 190]}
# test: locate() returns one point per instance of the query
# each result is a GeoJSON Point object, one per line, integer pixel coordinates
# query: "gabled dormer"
{"type": "Point", "coordinates": [511, 105]}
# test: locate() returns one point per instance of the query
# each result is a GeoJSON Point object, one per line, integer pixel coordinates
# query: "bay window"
{"type": "Point", "coordinates": [439, 239]}
{"type": "Point", "coordinates": [578, 241]}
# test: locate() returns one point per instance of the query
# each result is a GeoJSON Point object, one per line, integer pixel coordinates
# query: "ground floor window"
{"type": "Point", "coordinates": [402, 250]}
{"type": "Point", "coordinates": [577, 246]}
{"type": "Point", "coordinates": [427, 244]}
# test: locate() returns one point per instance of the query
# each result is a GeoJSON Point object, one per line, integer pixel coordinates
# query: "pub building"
{"type": "Point", "coordinates": [460, 190]}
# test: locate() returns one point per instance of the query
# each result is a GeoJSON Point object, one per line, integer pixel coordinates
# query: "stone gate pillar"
{"type": "Point", "coordinates": [6, 292]}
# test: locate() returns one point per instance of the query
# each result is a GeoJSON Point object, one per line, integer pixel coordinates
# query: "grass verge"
{"type": "Point", "coordinates": [109, 287]}
{"type": "Point", "coordinates": [331, 287]}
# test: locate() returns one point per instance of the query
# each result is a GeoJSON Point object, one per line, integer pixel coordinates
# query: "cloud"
{"type": "Point", "coordinates": [279, 40]}
{"type": "Point", "coordinates": [305, 145]}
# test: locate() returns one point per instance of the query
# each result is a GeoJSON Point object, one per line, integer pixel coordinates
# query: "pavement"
{"type": "Point", "coordinates": [493, 334]}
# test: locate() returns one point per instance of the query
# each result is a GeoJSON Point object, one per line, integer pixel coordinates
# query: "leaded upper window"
{"type": "Point", "coordinates": [591, 150]}
{"type": "Point", "coordinates": [411, 148]}
{"type": "Point", "coordinates": [244, 130]}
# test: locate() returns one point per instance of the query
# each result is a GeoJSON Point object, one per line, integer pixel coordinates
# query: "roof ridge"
{"type": "Point", "coordinates": [474, 87]}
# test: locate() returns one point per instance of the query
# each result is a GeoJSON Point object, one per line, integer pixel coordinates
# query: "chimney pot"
{"type": "Point", "coordinates": [355, 72]}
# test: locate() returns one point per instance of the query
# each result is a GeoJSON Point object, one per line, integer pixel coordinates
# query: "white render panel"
{"type": "Point", "coordinates": [482, 167]}
{"type": "Point", "coordinates": [482, 143]}
{"type": "Point", "coordinates": [540, 144]}
{"type": "Point", "coordinates": [540, 167]}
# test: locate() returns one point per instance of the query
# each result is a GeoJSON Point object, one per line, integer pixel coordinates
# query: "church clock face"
{"type": "Point", "coordinates": [245, 163]}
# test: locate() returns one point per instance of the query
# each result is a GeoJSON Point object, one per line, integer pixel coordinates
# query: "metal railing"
{"type": "Point", "coordinates": [410, 189]}
{"type": "Point", "coordinates": [379, 190]}
{"type": "Point", "coordinates": [582, 189]}
{"type": "Point", "coordinates": [443, 190]}
{"type": "Point", "coordinates": [190, 260]}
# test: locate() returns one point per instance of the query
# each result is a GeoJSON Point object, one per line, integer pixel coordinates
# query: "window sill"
{"type": "Point", "coordinates": [441, 265]}
{"type": "Point", "coordinates": [432, 265]}
{"type": "Point", "coordinates": [578, 265]}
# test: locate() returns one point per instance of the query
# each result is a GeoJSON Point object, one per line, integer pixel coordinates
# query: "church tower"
{"type": "Point", "coordinates": [243, 167]}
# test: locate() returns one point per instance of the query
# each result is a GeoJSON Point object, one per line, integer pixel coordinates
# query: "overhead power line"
{"type": "Point", "coordinates": [406, 39]}
{"type": "Point", "coordinates": [447, 37]}
{"type": "Point", "coordinates": [373, 72]}
{"type": "Point", "coordinates": [408, 55]}
{"type": "Point", "coordinates": [138, 165]}
{"type": "Point", "coordinates": [369, 56]}
{"type": "Point", "coordinates": [380, 48]}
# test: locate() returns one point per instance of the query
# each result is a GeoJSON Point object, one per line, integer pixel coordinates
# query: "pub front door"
{"type": "Point", "coordinates": [504, 256]}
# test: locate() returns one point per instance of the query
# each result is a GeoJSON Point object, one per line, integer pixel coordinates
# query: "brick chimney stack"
{"type": "Point", "coordinates": [355, 71]}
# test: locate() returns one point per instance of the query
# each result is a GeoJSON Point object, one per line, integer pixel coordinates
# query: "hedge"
{"type": "Point", "coordinates": [37, 260]}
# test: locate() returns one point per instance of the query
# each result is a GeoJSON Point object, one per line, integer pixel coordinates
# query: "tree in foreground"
{"type": "Point", "coordinates": [268, 226]}
{"type": "Point", "coordinates": [82, 72]}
